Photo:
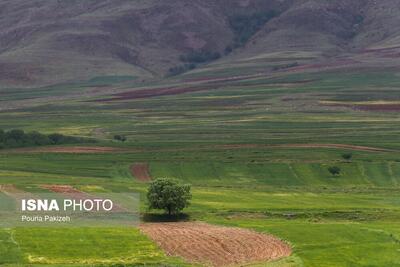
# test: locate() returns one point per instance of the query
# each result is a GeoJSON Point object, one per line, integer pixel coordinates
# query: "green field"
{"type": "Point", "coordinates": [232, 143]}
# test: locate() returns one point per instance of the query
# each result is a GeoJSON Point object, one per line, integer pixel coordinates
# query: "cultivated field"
{"type": "Point", "coordinates": [256, 150]}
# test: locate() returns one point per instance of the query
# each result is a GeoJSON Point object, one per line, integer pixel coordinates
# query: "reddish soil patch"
{"type": "Point", "coordinates": [215, 245]}
{"type": "Point", "coordinates": [67, 190]}
{"type": "Point", "coordinates": [71, 149]}
{"type": "Point", "coordinates": [209, 84]}
{"type": "Point", "coordinates": [148, 93]}
{"type": "Point", "coordinates": [204, 84]}
{"type": "Point", "coordinates": [227, 79]}
{"type": "Point", "coordinates": [141, 172]}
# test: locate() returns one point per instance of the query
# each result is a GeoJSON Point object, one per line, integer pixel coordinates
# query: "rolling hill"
{"type": "Point", "coordinates": [45, 42]}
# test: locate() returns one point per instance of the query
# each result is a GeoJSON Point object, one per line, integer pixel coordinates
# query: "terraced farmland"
{"type": "Point", "coordinates": [257, 151]}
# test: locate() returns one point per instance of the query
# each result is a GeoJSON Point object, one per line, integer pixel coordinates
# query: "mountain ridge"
{"type": "Point", "coordinates": [46, 42]}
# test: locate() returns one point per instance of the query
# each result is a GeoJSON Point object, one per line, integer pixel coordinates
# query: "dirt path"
{"type": "Point", "coordinates": [141, 172]}
{"type": "Point", "coordinates": [215, 245]}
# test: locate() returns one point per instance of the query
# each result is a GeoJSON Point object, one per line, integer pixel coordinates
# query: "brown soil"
{"type": "Point", "coordinates": [148, 93]}
{"type": "Point", "coordinates": [140, 169]}
{"type": "Point", "coordinates": [67, 190]}
{"type": "Point", "coordinates": [215, 245]}
{"type": "Point", "coordinates": [203, 84]}
{"type": "Point", "coordinates": [141, 172]}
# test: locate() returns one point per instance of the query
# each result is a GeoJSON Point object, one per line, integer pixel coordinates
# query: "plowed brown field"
{"type": "Point", "coordinates": [215, 245]}
{"type": "Point", "coordinates": [141, 171]}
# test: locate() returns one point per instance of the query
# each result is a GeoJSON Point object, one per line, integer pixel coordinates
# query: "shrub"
{"type": "Point", "coordinates": [121, 138]}
{"type": "Point", "coordinates": [192, 59]}
{"type": "Point", "coordinates": [18, 138]}
{"type": "Point", "coordinates": [38, 139]}
{"type": "Point", "coordinates": [15, 134]}
{"type": "Point", "coordinates": [334, 170]}
{"type": "Point", "coordinates": [168, 195]}
{"type": "Point", "coordinates": [2, 136]}
{"type": "Point", "coordinates": [200, 56]}
{"type": "Point", "coordinates": [347, 156]}
{"type": "Point", "coordinates": [56, 138]}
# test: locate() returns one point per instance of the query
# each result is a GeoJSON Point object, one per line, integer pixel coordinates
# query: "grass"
{"type": "Point", "coordinates": [332, 243]}
{"type": "Point", "coordinates": [346, 220]}
{"type": "Point", "coordinates": [103, 246]}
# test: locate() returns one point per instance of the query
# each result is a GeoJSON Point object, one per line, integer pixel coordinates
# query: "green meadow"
{"type": "Point", "coordinates": [232, 143]}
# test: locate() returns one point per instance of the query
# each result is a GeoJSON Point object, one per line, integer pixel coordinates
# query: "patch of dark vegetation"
{"type": "Point", "coordinates": [334, 170]}
{"type": "Point", "coordinates": [181, 69]}
{"type": "Point", "coordinates": [18, 138]}
{"type": "Point", "coordinates": [244, 26]}
{"type": "Point", "coordinates": [157, 217]}
{"type": "Point", "coordinates": [200, 56]}
{"type": "Point", "coordinates": [347, 156]}
{"type": "Point", "coordinates": [168, 195]}
{"type": "Point", "coordinates": [192, 59]}
{"type": "Point", "coordinates": [119, 137]}
{"type": "Point", "coordinates": [359, 19]}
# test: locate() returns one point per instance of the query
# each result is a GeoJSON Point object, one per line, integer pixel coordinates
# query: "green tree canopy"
{"type": "Point", "coordinates": [168, 195]}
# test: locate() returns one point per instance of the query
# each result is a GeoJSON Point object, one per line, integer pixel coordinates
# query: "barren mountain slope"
{"type": "Point", "coordinates": [330, 27]}
{"type": "Point", "coordinates": [49, 41]}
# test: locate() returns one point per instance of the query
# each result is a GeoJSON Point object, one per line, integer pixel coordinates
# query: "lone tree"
{"type": "Point", "coordinates": [335, 171]}
{"type": "Point", "coordinates": [347, 156]}
{"type": "Point", "coordinates": [168, 195]}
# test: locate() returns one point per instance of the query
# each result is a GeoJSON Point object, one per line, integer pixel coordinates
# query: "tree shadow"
{"type": "Point", "coordinates": [157, 217]}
